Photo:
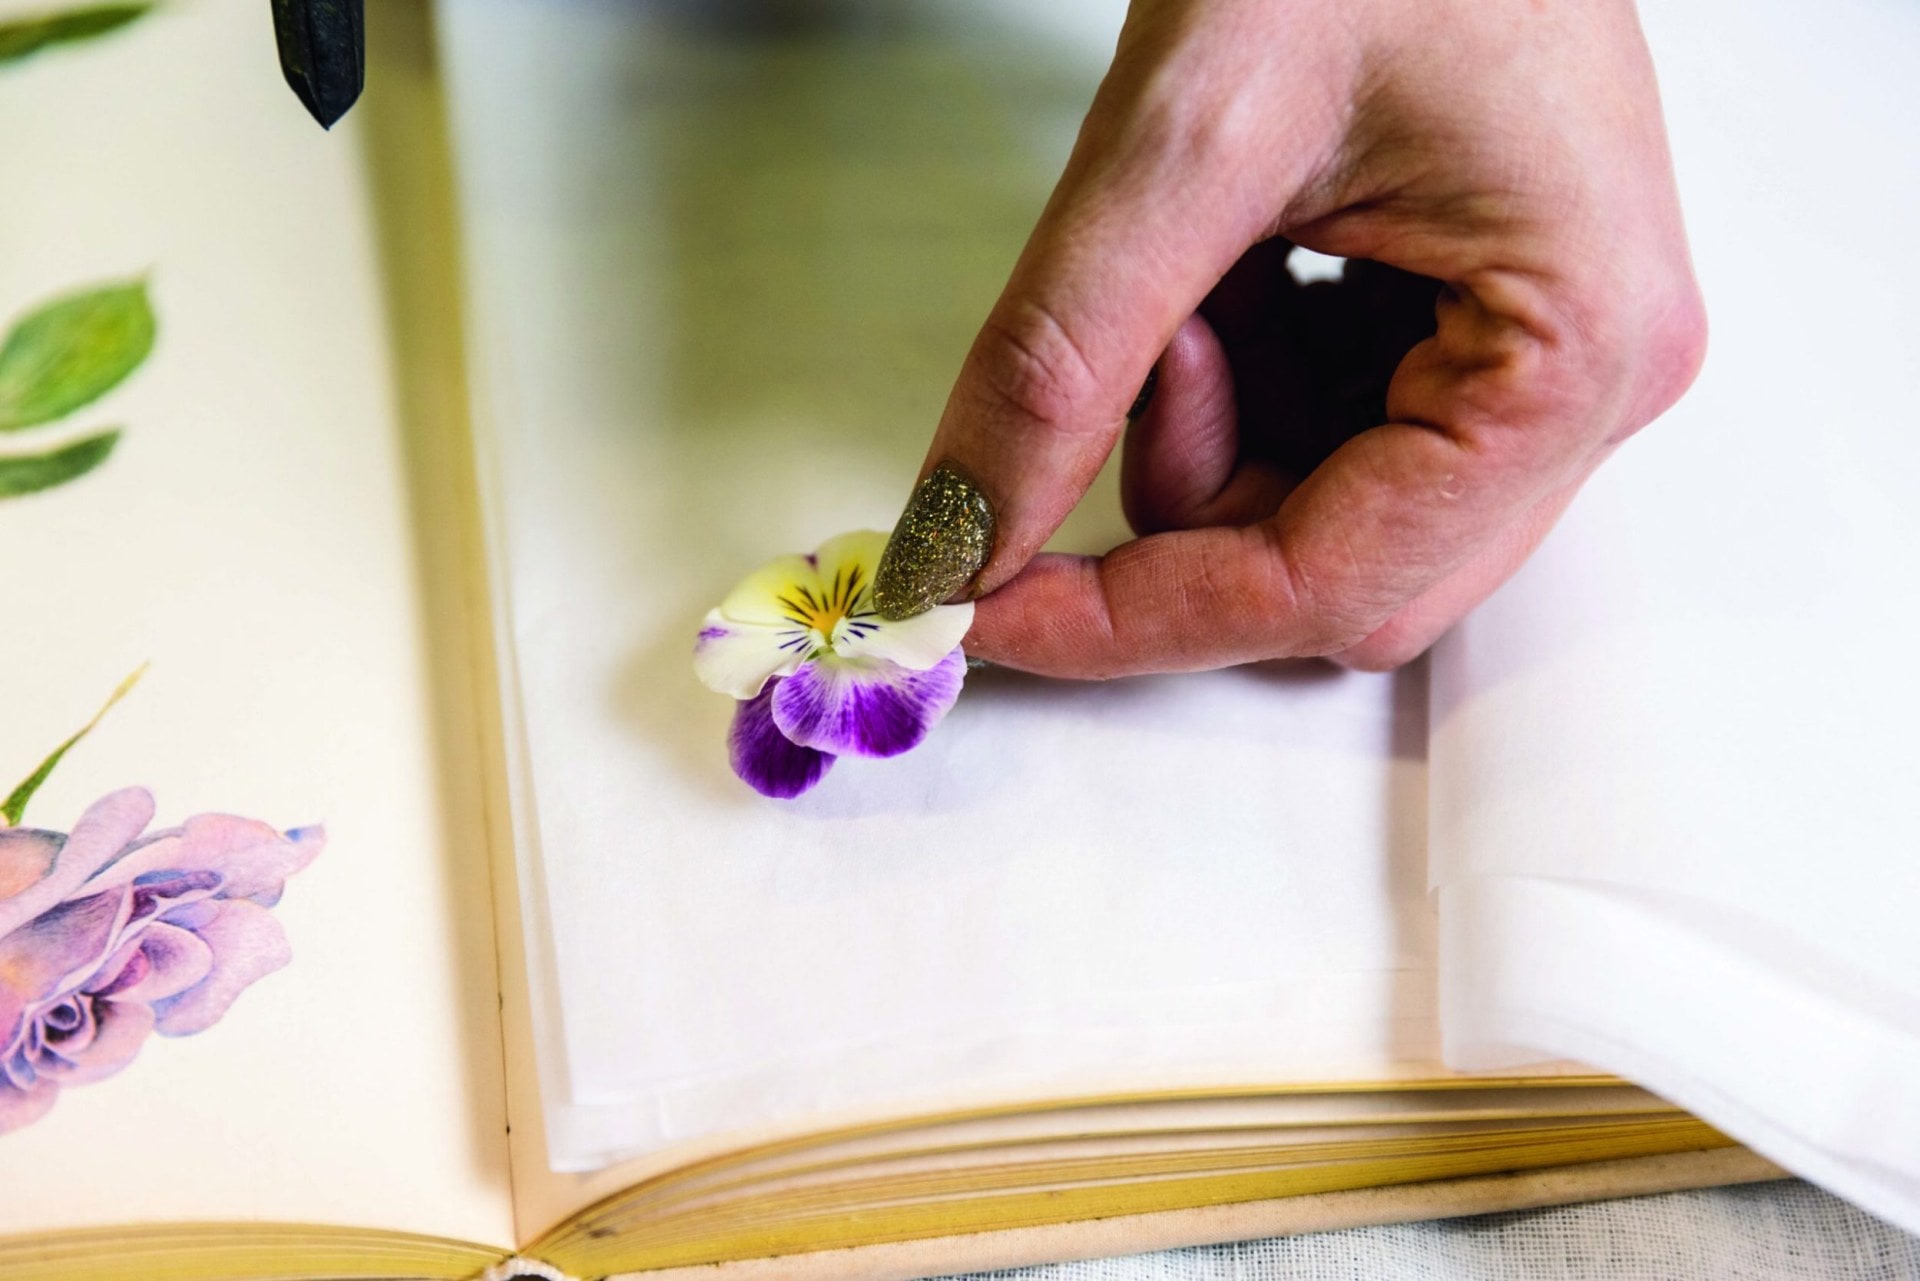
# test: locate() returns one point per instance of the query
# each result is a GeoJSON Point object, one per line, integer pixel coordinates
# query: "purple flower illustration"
{"type": "Point", "coordinates": [107, 935]}
{"type": "Point", "coordinates": [818, 673]}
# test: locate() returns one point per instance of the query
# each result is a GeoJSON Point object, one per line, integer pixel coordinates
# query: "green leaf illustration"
{"type": "Point", "coordinates": [16, 803]}
{"type": "Point", "coordinates": [71, 351]}
{"type": "Point", "coordinates": [26, 36]}
{"type": "Point", "coordinates": [30, 473]}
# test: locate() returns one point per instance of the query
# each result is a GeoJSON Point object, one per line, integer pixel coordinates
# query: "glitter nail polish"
{"type": "Point", "coordinates": [943, 539]}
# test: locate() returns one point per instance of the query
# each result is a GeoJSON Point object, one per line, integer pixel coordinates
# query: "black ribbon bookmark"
{"type": "Point", "coordinates": [323, 53]}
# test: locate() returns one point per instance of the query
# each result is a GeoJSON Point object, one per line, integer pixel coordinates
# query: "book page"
{"type": "Point", "coordinates": [258, 539]}
{"type": "Point", "coordinates": [721, 279]}
{"type": "Point", "coordinates": [1674, 759]}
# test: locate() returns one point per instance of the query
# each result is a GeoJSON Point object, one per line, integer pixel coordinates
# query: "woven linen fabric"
{"type": "Point", "coordinates": [1781, 1231]}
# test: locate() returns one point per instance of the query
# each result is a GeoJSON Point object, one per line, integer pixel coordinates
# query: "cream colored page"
{"type": "Point", "coordinates": [720, 280]}
{"type": "Point", "coordinates": [256, 537]}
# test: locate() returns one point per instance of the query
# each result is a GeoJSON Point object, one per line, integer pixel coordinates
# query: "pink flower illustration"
{"type": "Point", "coordinates": [107, 935]}
{"type": "Point", "coordinates": [818, 673]}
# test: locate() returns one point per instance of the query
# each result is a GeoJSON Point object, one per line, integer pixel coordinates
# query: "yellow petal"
{"type": "Point", "coordinates": [774, 593]}
{"type": "Point", "coordinates": [815, 591]}
{"type": "Point", "coordinates": [856, 551]}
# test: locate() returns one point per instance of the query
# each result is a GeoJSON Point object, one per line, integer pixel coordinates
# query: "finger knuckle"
{"type": "Point", "coordinates": [1658, 345]}
{"type": "Point", "coordinates": [1031, 366]}
{"type": "Point", "coordinates": [1677, 345]}
{"type": "Point", "coordinates": [1608, 354]}
{"type": "Point", "coordinates": [1264, 601]}
{"type": "Point", "coordinates": [1317, 590]}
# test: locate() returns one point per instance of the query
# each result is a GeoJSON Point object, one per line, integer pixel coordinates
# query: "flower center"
{"type": "Point", "coordinates": [63, 1020]}
{"type": "Point", "coordinates": [822, 614]}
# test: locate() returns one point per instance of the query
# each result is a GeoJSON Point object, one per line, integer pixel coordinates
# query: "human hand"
{"type": "Point", "coordinates": [1304, 483]}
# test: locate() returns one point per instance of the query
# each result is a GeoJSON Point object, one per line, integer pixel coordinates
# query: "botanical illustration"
{"type": "Point", "coordinates": [819, 674]}
{"type": "Point", "coordinates": [112, 932]}
{"type": "Point", "coordinates": [22, 37]}
{"type": "Point", "coordinates": [58, 358]}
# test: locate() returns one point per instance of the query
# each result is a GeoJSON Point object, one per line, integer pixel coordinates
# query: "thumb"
{"type": "Point", "coordinates": [1145, 220]}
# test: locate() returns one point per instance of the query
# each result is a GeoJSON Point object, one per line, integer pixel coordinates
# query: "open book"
{"type": "Point", "coordinates": [1098, 968]}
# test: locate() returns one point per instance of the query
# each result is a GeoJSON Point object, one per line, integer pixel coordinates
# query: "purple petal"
{"type": "Point", "coordinates": [55, 953]}
{"type": "Point", "coordinates": [106, 829]}
{"type": "Point", "coordinates": [67, 1030]}
{"type": "Point", "coordinates": [20, 1107]}
{"type": "Point", "coordinates": [168, 962]}
{"type": "Point", "coordinates": [764, 757]}
{"type": "Point", "coordinates": [125, 967]}
{"type": "Point", "coordinates": [251, 858]}
{"type": "Point", "coordinates": [26, 856]}
{"type": "Point", "coordinates": [247, 943]}
{"type": "Point", "coordinates": [158, 892]}
{"type": "Point", "coordinates": [18, 1070]}
{"type": "Point", "coordinates": [121, 1029]}
{"type": "Point", "coordinates": [193, 915]}
{"type": "Point", "coordinates": [868, 707]}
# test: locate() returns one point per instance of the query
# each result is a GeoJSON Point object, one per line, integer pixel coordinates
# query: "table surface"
{"type": "Point", "coordinates": [1789, 1230]}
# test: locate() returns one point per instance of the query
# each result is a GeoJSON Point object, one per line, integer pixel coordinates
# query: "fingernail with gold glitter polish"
{"type": "Point", "coordinates": [941, 542]}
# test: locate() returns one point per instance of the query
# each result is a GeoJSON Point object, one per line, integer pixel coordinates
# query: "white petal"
{"type": "Point", "coordinates": [738, 659]}
{"type": "Point", "coordinates": [916, 643]}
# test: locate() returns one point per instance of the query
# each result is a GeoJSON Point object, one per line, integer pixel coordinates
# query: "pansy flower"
{"type": "Point", "coordinates": [818, 673]}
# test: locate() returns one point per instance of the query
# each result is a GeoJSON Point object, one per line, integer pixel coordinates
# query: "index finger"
{"type": "Point", "coordinates": [1168, 183]}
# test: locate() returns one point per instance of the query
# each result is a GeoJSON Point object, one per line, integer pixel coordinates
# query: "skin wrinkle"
{"type": "Point", "coordinates": [1304, 597]}
{"type": "Point", "coordinates": [1338, 166]}
{"type": "Point", "coordinates": [1293, 594]}
{"type": "Point", "coordinates": [1289, 587]}
{"type": "Point", "coordinates": [1201, 592]}
{"type": "Point", "coordinates": [1239, 609]}
{"type": "Point", "coordinates": [1321, 554]}
{"type": "Point", "coordinates": [1037, 369]}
